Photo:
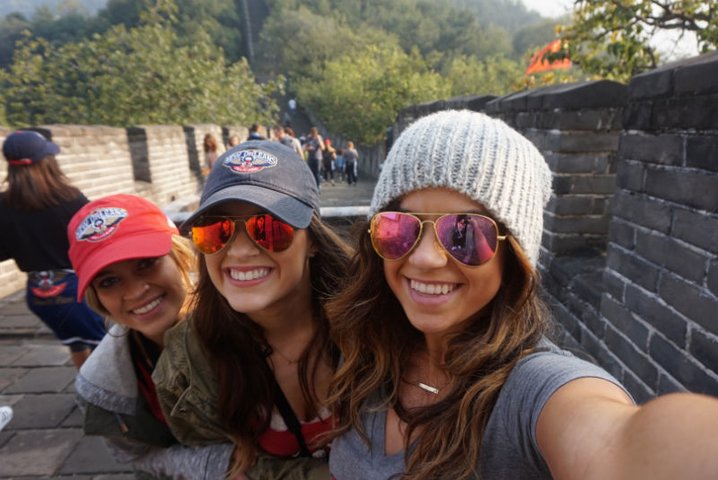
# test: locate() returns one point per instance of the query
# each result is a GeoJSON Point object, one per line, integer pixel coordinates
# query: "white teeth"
{"type": "Point", "coordinates": [249, 275]}
{"type": "Point", "coordinates": [147, 307]}
{"type": "Point", "coordinates": [432, 288]}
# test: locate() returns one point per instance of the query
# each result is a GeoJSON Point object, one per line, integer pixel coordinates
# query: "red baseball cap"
{"type": "Point", "coordinates": [116, 228]}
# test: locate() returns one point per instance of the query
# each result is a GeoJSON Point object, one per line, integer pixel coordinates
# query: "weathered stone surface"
{"type": "Point", "coordinates": [39, 452]}
{"type": "Point", "coordinates": [91, 456]}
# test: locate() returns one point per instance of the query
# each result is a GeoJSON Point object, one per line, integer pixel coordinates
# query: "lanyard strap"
{"type": "Point", "coordinates": [285, 410]}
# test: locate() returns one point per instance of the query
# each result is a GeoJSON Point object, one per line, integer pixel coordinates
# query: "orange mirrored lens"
{"type": "Point", "coordinates": [212, 237]}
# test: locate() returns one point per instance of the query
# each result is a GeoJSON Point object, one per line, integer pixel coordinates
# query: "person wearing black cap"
{"type": "Point", "coordinates": [34, 212]}
{"type": "Point", "coordinates": [254, 361]}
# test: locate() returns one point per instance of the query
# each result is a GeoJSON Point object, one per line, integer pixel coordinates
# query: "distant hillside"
{"type": "Point", "coordinates": [28, 7]}
{"type": "Point", "coordinates": [509, 14]}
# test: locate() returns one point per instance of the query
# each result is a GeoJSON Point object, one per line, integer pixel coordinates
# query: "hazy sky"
{"type": "Point", "coordinates": [667, 42]}
{"type": "Point", "coordinates": [548, 8]}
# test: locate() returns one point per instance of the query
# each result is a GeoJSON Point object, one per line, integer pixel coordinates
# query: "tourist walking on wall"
{"type": "Point", "coordinates": [212, 150]}
{"type": "Point", "coordinates": [340, 165]}
{"type": "Point", "coordinates": [447, 371]}
{"type": "Point", "coordinates": [233, 141]}
{"type": "Point", "coordinates": [351, 159]}
{"type": "Point", "coordinates": [296, 143]}
{"type": "Point", "coordinates": [281, 135]}
{"type": "Point", "coordinates": [254, 133]}
{"type": "Point", "coordinates": [34, 212]}
{"type": "Point", "coordinates": [329, 155]}
{"type": "Point", "coordinates": [314, 147]}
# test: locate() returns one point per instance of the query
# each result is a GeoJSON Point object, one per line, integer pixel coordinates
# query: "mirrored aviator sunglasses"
{"type": "Point", "coordinates": [210, 234]}
{"type": "Point", "coordinates": [470, 238]}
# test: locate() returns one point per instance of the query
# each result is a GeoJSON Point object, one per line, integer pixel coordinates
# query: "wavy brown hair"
{"type": "Point", "coordinates": [375, 338]}
{"type": "Point", "coordinates": [37, 186]}
{"type": "Point", "coordinates": [237, 349]}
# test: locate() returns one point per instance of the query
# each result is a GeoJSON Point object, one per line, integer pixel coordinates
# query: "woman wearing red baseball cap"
{"type": "Point", "coordinates": [34, 212]}
{"type": "Point", "coordinates": [135, 269]}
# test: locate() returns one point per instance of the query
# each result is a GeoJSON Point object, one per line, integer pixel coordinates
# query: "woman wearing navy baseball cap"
{"type": "Point", "coordinates": [34, 212]}
{"type": "Point", "coordinates": [254, 361]}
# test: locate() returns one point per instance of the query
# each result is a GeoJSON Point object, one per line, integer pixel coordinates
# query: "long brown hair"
{"type": "Point", "coordinates": [238, 351]}
{"type": "Point", "coordinates": [375, 337]}
{"type": "Point", "coordinates": [210, 143]}
{"type": "Point", "coordinates": [37, 186]}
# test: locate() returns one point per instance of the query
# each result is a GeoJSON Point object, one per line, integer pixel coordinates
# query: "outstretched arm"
{"type": "Point", "coordinates": [589, 429]}
{"type": "Point", "coordinates": [180, 462]}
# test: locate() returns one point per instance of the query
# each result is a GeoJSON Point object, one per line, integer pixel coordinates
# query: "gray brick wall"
{"type": "Point", "coordinates": [664, 230]}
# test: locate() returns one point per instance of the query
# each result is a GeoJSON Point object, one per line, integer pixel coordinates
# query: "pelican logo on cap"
{"type": "Point", "coordinates": [250, 161]}
{"type": "Point", "coordinates": [100, 224]}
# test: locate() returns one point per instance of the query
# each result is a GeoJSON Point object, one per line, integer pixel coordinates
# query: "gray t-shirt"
{"type": "Point", "coordinates": [508, 449]}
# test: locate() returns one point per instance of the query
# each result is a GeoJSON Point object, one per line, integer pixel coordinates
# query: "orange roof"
{"type": "Point", "coordinates": [540, 64]}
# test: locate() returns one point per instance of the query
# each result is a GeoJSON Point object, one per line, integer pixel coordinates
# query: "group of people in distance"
{"type": "Point", "coordinates": [264, 347]}
{"type": "Point", "coordinates": [324, 160]}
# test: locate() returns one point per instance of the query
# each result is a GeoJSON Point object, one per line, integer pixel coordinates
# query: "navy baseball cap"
{"type": "Point", "coordinates": [264, 173]}
{"type": "Point", "coordinates": [25, 147]}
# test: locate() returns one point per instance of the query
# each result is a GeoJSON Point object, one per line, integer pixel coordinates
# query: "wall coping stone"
{"type": "Point", "coordinates": [583, 95]}
{"type": "Point", "coordinates": [695, 75]}
{"type": "Point", "coordinates": [566, 96]}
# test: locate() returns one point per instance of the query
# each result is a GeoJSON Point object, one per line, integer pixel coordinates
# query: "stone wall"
{"type": "Point", "coordinates": [661, 278]}
{"type": "Point", "coordinates": [629, 257]}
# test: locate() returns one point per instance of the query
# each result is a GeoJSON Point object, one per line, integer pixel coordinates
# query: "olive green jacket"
{"type": "Point", "coordinates": [108, 394]}
{"type": "Point", "coordinates": [187, 389]}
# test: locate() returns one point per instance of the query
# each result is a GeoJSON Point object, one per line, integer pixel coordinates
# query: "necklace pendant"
{"type": "Point", "coordinates": [428, 388]}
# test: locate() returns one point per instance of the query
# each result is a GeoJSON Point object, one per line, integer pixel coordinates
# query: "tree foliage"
{"type": "Point", "coordinates": [611, 38]}
{"type": "Point", "coordinates": [369, 57]}
{"type": "Point", "coordinates": [360, 95]}
{"type": "Point", "coordinates": [115, 79]}
{"type": "Point", "coordinates": [492, 76]}
{"type": "Point", "coordinates": [300, 42]}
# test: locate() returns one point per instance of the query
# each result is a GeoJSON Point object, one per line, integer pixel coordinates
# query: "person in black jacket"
{"type": "Point", "coordinates": [34, 212]}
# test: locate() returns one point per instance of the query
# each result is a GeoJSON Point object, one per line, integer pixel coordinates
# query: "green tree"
{"type": "Point", "coordinates": [11, 28]}
{"type": "Point", "coordinates": [115, 79]}
{"type": "Point", "coordinates": [610, 38]}
{"type": "Point", "coordinates": [493, 76]}
{"type": "Point", "coordinates": [359, 95]}
{"type": "Point", "coordinates": [300, 42]}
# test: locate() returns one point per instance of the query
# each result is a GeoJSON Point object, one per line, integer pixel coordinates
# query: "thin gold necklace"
{"type": "Point", "coordinates": [287, 359]}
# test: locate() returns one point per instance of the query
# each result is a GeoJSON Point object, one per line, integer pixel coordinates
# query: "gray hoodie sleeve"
{"type": "Point", "coordinates": [180, 462]}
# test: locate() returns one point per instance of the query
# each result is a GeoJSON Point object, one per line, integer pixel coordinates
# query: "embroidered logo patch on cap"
{"type": "Point", "coordinates": [250, 161]}
{"type": "Point", "coordinates": [100, 224]}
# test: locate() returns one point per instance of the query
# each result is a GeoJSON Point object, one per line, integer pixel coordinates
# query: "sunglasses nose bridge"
{"type": "Point", "coordinates": [240, 230]}
{"type": "Point", "coordinates": [435, 243]}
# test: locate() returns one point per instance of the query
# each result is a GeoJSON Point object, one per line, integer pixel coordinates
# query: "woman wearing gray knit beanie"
{"type": "Point", "coordinates": [447, 370]}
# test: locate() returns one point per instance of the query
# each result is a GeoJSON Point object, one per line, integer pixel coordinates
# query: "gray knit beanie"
{"type": "Point", "coordinates": [476, 155]}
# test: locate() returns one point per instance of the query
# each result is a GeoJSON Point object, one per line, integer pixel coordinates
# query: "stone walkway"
{"type": "Point", "coordinates": [45, 438]}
